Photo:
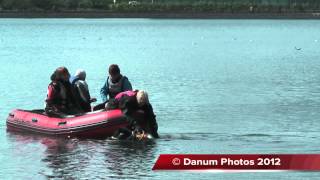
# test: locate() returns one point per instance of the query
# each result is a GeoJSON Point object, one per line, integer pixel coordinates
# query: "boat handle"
{"type": "Point", "coordinates": [11, 114]}
{"type": "Point", "coordinates": [62, 123]}
{"type": "Point", "coordinates": [34, 120]}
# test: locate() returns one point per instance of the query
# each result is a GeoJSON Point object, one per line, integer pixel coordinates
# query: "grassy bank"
{"type": "Point", "coordinates": [161, 8]}
{"type": "Point", "coordinates": [168, 15]}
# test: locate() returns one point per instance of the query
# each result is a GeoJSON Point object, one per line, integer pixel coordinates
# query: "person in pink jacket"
{"type": "Point", "coordinates": [130, 102]}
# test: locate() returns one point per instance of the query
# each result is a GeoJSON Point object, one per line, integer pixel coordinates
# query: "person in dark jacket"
{"type": "Point", "coordinates": [81, 90]}
{"type": "Point", "coordinates": [138, 110]}
{"type": "Point", "coordinates": [115, 84]}
{"type": "Point", "coordinates": [60, 97]}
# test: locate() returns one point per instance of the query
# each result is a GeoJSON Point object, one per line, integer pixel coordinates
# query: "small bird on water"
{"type": "Point", "coordinates": [298, 49]}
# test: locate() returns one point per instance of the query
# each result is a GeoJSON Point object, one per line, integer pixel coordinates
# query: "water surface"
{"type": "Point", "coordinates": [217, 86]}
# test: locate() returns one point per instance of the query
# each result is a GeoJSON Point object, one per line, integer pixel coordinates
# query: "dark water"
{"type": "Point", "coordinates": [217, 86]}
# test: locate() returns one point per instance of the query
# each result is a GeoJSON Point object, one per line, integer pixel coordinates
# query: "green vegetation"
{"type": "Point", "coordinates": [215, 6]}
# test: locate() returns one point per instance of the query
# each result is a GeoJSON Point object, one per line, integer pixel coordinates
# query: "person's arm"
{"type": "Point", "coordinates": [152, 122]}
{"type": "Point", "coordinates": [51, 94]}
{"type": "Point", "coordinates": [104, 92]}
{"type": "Point", "coordinates": [83, 91]}
{"type": "Point", "coordinates": [127, 85]}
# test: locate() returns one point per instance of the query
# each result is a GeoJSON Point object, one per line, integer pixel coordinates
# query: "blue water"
{"type": "Point", "coordinates": [217, 86]}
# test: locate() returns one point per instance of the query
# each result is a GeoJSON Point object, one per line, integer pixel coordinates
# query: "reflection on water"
{"type": "Point", "coordinates": [74, 158]}
{"type": "Point", "coordinates": [130, 159]}
{"type": "Point", "coordinates": [104, 159]}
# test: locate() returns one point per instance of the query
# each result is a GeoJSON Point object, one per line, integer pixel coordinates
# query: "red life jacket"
{"type": "Point", "coordinates": [126, 93]}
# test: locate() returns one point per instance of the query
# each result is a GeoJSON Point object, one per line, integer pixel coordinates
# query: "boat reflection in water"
{"type": "Point", "coordinates": [87, 158]}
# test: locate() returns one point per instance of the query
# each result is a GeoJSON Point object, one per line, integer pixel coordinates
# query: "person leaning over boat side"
{"type": "Point", "coordinates": [130, 102]}
{"type": "Point", "coordinates": [116, 83]}
{"type": "Point", "coordinates": [81, 90]}
{"type": "Point", "coordinates": [60, 98]}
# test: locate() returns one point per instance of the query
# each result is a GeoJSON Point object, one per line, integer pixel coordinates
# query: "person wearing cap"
{"type": "Point", "coordinates": [60, 99]}
{"type": "Point", "coordinates": [115, 84]}
{"type": "Point", "coordinates": [132, 103]}
{"type": "Point", "coordinates": [81, 90]}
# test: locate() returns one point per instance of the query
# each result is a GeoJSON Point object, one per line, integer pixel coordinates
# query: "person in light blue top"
{"type": "Point", "coordinates": [115, 84]}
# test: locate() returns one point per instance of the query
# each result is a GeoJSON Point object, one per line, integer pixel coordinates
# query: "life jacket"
{"type": "Point", "coordinates": [61, 94]}
{"type": "Point", "coordinates": [126, 93]}
{"type": "Point", "coordinates": [115, 88]}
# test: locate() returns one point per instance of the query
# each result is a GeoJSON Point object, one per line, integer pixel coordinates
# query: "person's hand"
{"type": "Point", "coordinates": [93, 100]}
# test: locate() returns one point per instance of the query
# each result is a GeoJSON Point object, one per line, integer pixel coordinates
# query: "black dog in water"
{"type": "Point", "coordinates": [137, 134]}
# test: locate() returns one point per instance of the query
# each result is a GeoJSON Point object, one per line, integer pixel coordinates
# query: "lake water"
{"type": "Point", "coordinates": [217, 86]}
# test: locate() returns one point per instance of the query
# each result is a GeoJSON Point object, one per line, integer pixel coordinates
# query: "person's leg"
{"type": "Point", "coordinates": [87, 107]}
{"type": "Point", "coordinates": [74, 111]}
{"type": "Point", "coordinates": [52, 113]}
{"type": "Point", "coordinates": [99, 106]}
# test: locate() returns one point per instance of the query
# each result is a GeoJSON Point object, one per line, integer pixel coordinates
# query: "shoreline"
{"type": "Point", "coordinates": [158, 15]}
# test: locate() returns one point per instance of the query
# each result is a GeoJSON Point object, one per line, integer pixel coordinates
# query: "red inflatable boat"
{"type": "Point", "coordinates": [89, 125]}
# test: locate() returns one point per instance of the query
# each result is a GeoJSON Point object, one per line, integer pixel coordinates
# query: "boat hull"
{"type": "Point", "coordinates": [92, 125]}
